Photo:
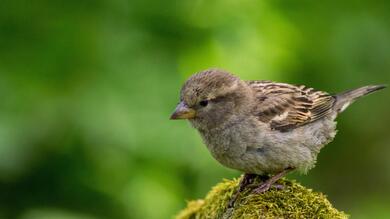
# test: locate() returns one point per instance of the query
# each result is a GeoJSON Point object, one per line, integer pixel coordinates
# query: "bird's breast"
{"type": "Point", "coordinates": [228, 143]}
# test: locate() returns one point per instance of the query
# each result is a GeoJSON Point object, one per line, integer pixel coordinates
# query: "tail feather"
{"type": "Point", "coordinates": [344, 99]}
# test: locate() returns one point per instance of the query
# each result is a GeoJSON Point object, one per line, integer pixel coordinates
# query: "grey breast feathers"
{"type": "Point", "coordinates": [286, 106]}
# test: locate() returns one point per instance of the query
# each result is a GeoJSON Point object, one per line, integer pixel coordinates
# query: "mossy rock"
{"type": "Point", "coordinates": [293, 201]}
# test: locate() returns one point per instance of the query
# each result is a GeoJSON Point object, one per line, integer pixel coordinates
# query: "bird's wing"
{"type": "Point", "coordinates": [286, 106]}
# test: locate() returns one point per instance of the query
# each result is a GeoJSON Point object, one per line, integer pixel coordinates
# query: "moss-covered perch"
{"type": "Point", "coordinates": [293, 201]}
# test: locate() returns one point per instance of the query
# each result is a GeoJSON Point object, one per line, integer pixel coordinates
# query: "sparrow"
{"type": "Point", "coordinates": [262, 127]}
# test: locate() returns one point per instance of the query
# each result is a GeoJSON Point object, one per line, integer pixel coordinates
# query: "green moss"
{"type": "Point", "coordinates": [293, 201]}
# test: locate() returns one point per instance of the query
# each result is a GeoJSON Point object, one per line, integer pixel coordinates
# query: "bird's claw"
{"type": "Point", "coordinates": [266, 186]}
{"type": "Point", "coordinates": [262, 188]}
{"type": "Point", "coordinates": [278, 186]}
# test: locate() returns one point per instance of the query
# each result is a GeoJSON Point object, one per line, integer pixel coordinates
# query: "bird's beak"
{"type": "Point", "coordinates": [182, 111]}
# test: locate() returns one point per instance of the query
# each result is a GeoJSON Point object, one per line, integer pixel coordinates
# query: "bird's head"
{"type": "Point", "coordinates": [210, 98]}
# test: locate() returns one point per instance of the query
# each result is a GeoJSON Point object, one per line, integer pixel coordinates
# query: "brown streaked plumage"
{"type": "Point", "coordinates": [286, 106]}
{"type": "Point", "coordinates": [262, 127]}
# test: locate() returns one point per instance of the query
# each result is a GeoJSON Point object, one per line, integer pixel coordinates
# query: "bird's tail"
{"type": "Point", "coordinates": [344, 99]}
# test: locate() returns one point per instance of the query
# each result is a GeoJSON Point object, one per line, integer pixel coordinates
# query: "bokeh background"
{"type": "Point", "coordinates": [87, 87]}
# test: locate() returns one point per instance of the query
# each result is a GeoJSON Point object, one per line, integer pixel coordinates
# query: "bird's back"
{"type": "Point", "coordinates": [286, 107]}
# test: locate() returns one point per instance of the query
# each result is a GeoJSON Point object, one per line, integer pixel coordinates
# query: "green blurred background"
{"type": "Point", "coordinates": [87, 87]}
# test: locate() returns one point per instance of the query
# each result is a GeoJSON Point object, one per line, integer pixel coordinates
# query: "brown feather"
{"type": "Point", "coordinates": [286, 106]}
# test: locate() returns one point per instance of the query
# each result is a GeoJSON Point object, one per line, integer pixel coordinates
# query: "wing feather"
{"type": "Point", "coordinates": [286, 106]}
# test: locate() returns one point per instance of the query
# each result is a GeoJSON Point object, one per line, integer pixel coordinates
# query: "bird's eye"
{"type": "Point", "coordinates": [204, 103]}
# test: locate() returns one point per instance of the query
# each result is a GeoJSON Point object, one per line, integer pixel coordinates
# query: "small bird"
{"type": "Point", "coordinates": [262, 127]}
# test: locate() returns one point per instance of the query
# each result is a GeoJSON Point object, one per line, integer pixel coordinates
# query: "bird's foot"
{"type": "Point", "coordinates": [245, 181]}
{"type": "Point", "coordinates": [265, 186]}
{"type": "Point", "coordinates": [262, 188]}
{"type": "Point", "coordinates": [278, 186]}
